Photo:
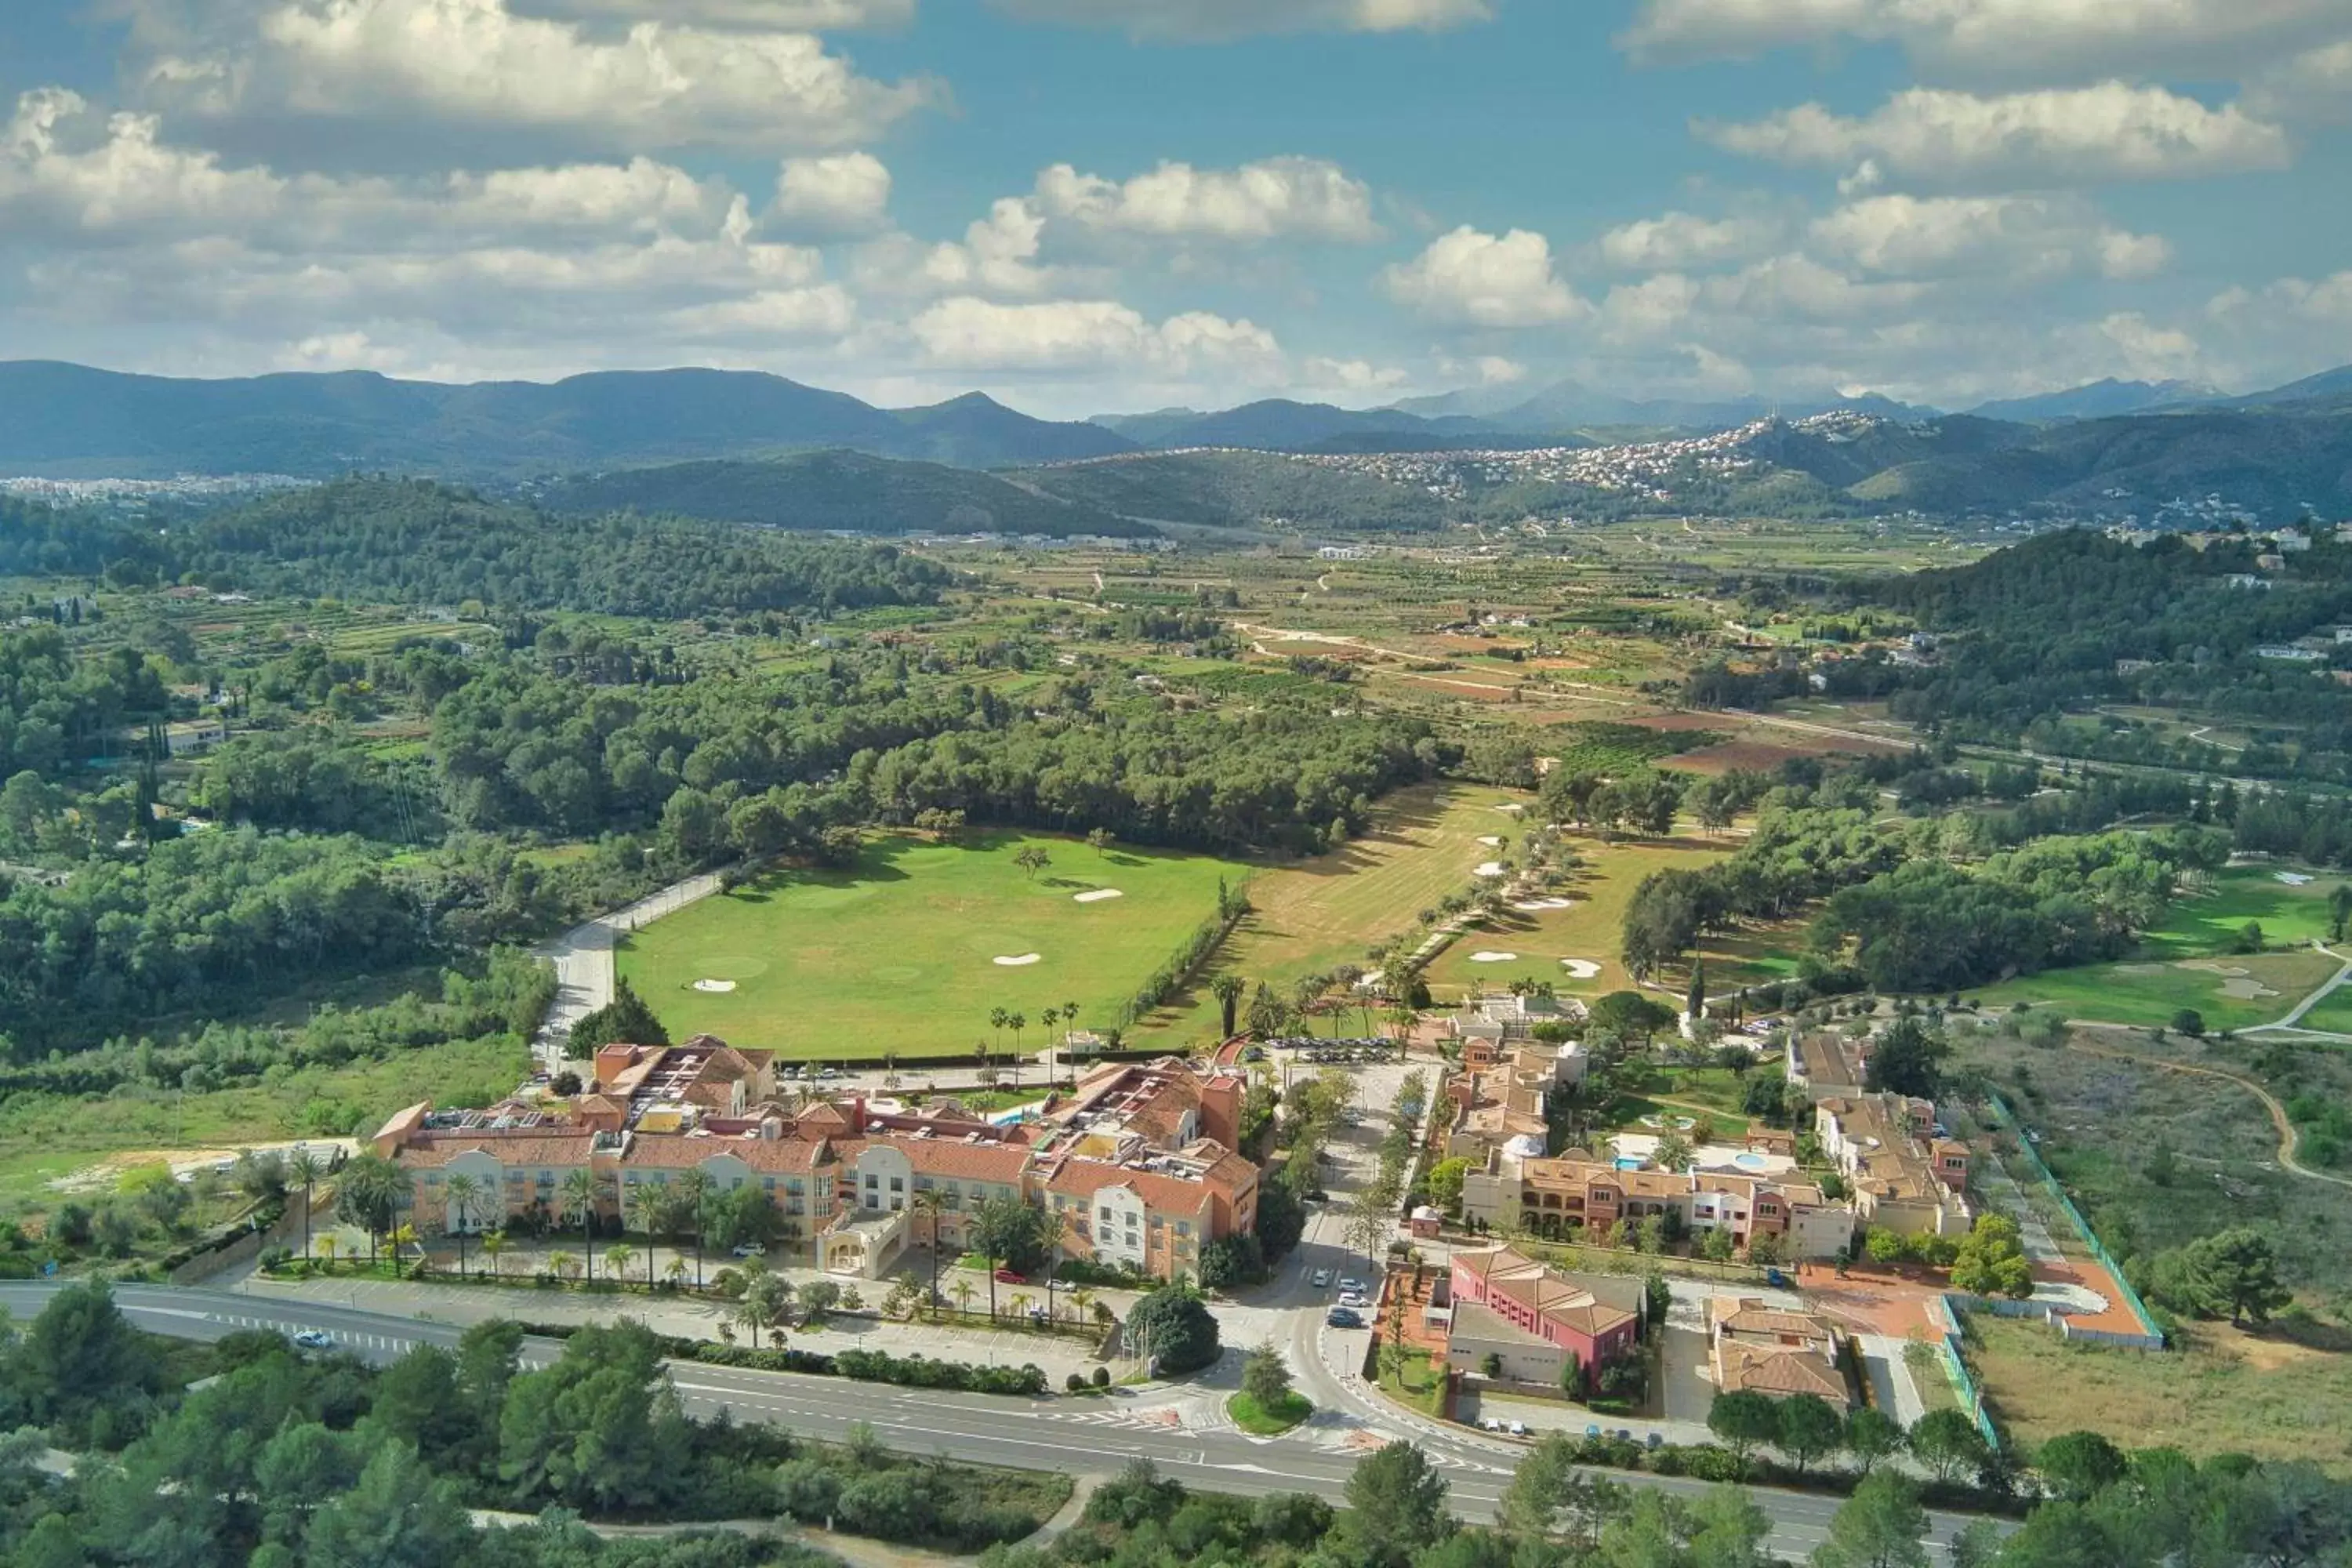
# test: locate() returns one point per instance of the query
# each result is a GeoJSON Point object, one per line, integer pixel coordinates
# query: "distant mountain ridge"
{"type": "Point", "coordinates": [67, 421]}
{"type": "Point", "coordinates": [2101, 400]}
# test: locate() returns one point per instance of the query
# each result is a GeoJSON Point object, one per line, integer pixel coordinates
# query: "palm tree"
{"type": "Point", "coordinates": [963, 1294]}
{"type": "Point", "coordinates": [694, 1192]}
{"type": "Point", "coordinates": [675, 1273]}
{"type": "Point", "coordinates": [1016, 1022]}
{"type": "Point", "coordinates": [1082, 1300]}
{"type": "Point", "coordinates": [302, 1170]}
{"type": "Point", "coordinates": [326, 1248]}
{"type": "Point", "coordinates": [997, 1018]}
{"type": "Point", "coordinates": [579, 1193]}
{"type": "Point", "coordinates": [617, 1258]}
{"type": "Point", "coordinates": [929, 1204]}
{"type": "Point", "coordinates": [493, 1244]}
{"type": "Point", "coordinates": [465, 1192]}
{"type": "Point", "coordinates": [403, 1235]}
{"type": "Point", "coordinates": [1020, 1304]}
{"type": "Point", "coordinates": [1057, 1230]}
{"type": "Point", "coordinates": [562, 1263]}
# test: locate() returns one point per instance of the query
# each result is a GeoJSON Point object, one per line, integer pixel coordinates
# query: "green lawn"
{"type": "Point", "coordinates": [1312, 916]}
{"type": "Point", "coordinates": [2209, 924]}
{"type": "Point", "coordinates": [2149, 992]}
{"type": "Point", "coordinates": [2335, 1013]}
{"type": "Point", "coordinates": [897, 955]}
{"type": "Point", "coordinates": [1419, 1383]}
{"type": "Point", "coordinates": [1591, 929]}
{"type": "Point", "coordinates": [1259, 1422]}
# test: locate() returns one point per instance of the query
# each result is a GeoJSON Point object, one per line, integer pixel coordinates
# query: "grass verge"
{"type": "Point", "coordinates": [1259, 1421]}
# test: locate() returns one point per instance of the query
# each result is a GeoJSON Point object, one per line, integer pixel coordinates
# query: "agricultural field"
{"type": "Point", "coordinates": [2221, 1392]}
{"type": "Point", "coordinates": [1575, 948]}
{"type": "Point", "coordinates": [1313, 915]}
{"type": "Point", "coordinates": [908, 953]}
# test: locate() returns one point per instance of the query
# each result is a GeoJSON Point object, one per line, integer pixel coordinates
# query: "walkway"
{"type": "Point", "coordinates": [583, 957]}
{"type": "Point", "coordinates": [2305, 1006]}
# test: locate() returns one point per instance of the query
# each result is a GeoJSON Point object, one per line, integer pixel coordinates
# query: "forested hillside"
{"type": "Point", "coordinates": [847, 491]}
{"type": "Point", "coordinates": [414, 541]}
{"type": "Point", "coordinates": [1240, 489]}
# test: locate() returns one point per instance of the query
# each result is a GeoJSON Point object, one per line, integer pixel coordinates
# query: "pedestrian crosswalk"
{"type": "Point", "coordinates": [1125, 1420]}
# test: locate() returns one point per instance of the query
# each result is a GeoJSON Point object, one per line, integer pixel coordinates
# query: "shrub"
{"type": "Point", "coordinates": [1073, 1383]}
{"type": "Point", "coordinates": [1101, 1377]}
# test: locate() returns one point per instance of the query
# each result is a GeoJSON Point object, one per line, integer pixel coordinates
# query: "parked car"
{"type": "Point", "coordinates": [1011, 1277]}
{"type": "Point", "coordinates": [1320, 1279]}
{"type": "Point", "coordinates": [1490, 1424]}
{"type": "Point", "coordinates": [1351, 1285]}
{"type": "Point", "coordinates": [315, 1339]}
{"type": "Point", "coordinates": [1343, 1318]}
{"type": "Point", "coordinates": [1353, 1300]}
{"type": "Point", "coordinates": [1592, 1431]}
{"type": "Point", "coordinates": [750, 1249]}
{"type": "Point", "coordinates": [1655, 1441]}
{"type": "Point", "coordinates": [1775, 1278]}
{"type": "Point", "coordinates": [1519, 1428]}
{"type": "Point", "coordinates": [1318, 1196]}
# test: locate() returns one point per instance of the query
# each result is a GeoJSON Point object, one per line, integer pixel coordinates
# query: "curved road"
{"type": "Point", "coordinates": [1075, 1436]}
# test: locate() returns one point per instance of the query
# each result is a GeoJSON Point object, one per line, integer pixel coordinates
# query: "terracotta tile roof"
{"type": "Point", "coordinates": [676, 1151]}
{"type": "Point", "coordinates": [959, 1161]}
{"type": "Point", "coordinates": [601, 1104]}
{"type": "Point", "coordinates": [535, 1149]}
{"type": "Point", "coordinates": [1777, 1370]}
{"type": "Point", "coordinates": [1747, 1315]}
{"type": "Point", "coordinates": [1551, 1296]}
{"type": "Point", "coordinates": [1084, 1178]}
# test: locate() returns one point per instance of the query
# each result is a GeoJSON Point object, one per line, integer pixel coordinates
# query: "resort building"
{"type": "Point", "coordinates": [1530, 1318]}
{"type": "Point", "coordinates": [1125, 1160]}
{"type": "Point", "coordinates": [1907, 1177]}
{"type": "Point", "coordinates": [1557, 1195]}
{"type": "Point", "coordinates": [1759, 1349]}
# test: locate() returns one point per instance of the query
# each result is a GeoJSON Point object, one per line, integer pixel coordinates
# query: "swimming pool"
{"type": "Point", "coordinates": [1750, 1161]}
{"type": "Point", "coordinates": [1628, 1163]}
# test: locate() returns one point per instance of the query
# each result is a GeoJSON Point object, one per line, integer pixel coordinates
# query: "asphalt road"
{"type": "Point", "coordinates": [1075, 1436]}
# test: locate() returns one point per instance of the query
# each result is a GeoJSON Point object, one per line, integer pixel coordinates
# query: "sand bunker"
{"type": "Point", "coordinates": [2293, 878]}
{"type": "Point", "coordinates": [1098, 895]}
{"type": "Point", "coordinates": [1510, 808]}
{"type": "Point", "coordinates": [714, 986]}
{"type": "Point", "coordinates": [2246, 990]}
{"type": "Point", "coordinates": [1494, 958]}
{"type": "Point", "coordinates": [1022, 962]}
{"type": "Point", "coordinates": [1538, 906]}
{"type": "Point", "coordinates": [1581, 968]}
{"type": "Point", "coordinates": [1489, 869]}
{"type": "Point", "coordinates": [1491, 840]}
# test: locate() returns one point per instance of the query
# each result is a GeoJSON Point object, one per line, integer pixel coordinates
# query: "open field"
{"type": "Point", "coordinates": [2334, 1014]}
{"type": "Point", "coordinates": [48, 1138]}
{"type": "Point", "coordinates": [1590, 930]}
{"type": "Point", "coordinates": [2102, 1119]}
{"type": "Point", "coordinates": [898, 955]}
{"type": "Point", "coordinates": [2223, 1392]}
{"type": "Point", "coordinates": [2227, 993]}
{"type": "Point", "coordinates": [1313, 915]}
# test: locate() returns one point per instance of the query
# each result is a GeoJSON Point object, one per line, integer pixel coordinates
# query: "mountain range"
{"type": "Point", "coordinates": [65, 421]}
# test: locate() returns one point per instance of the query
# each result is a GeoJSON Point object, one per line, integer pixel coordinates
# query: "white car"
{"type": "Point", "coordinates": [1354, 1299]}
{"type": "Point", "coordinates": [750, 1249]}
{"type": "Point", "coordinates": [1352, 1285]}
{"type": "Point", "coordinates": [1320, 1279]}
{"type": "Point", "coordinates": [1519, 1428]}
{"type": "Point", "coordinates": [314, 1339]}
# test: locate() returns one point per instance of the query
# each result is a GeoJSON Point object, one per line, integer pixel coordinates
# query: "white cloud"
{"type": "Point", "coordinates": [61, 166]}
{"type": "Point", "coordinates": [1350, 376]}
{"type": "Point", "coordinates": [760, 16]}
{"type": "Point", "coordinates": [2111, 132]}
{"type": "Point", "coordinates": [966, 333]}
{"type": "Point", "coordinates": [2048, 38]}
{"type": "Point", "coordinates": [1475, 280]}
{"type": "Point", "coordinates": [822, 312]}
{"type": "Point", "coordinates": [2313, 85]}
{"type": "Point", "coordinates": [1678, 239]}
{"type": "Point", "coordinates": [998, 255]}
{"type": "Point", "coordinates": [477, 63]}
{"type": "Point", "coordinates": [1278, 198]}
{"type": "Point", "coordinates": [1191, 20]}
{"type": "Point", "coordinates": [848, 192]}
{"type": "Point", "coordinates": [2015, 238]}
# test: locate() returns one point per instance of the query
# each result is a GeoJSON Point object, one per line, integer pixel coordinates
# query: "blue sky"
{"type": "Point", "coordinates": [1090, 205]}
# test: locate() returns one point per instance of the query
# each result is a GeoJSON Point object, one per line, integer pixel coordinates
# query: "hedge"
{"type": "Point", "coordinates": [861, 1366]}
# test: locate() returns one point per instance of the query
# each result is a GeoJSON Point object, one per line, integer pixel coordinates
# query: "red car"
{"type": "Point", "coordinates": [1008, 1276]}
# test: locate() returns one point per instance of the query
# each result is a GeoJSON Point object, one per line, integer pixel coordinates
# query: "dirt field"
{"type": "Point", "coordinates": [2223, 1391]}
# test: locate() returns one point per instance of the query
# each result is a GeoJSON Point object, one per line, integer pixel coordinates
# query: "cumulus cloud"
{"type": "Point", "coordinates": [1471, 278]}
{"type": "Point", "coordinates": [2016, 238]}
{"type": "Point", "coordinates": [1349, 376]}
{"type": "Point", "coordinates": [2047, 38]}
{"type": "Point", "coordinates": [998, 255]}
{"type": "Point", "coordinates": [479, 63]}
{"type": "Point", "coordinates": [1677, 239]}
{"type": "Point", "coordinates": [760, 16]}
{"type": "Point", "coordinates": [1197, 20]}
{"type": "Point", "coordinates": [1073, 335]}
{"type": "Point", "coordinates": [848, 192]}
{"type": "Point", "coordinates": [2313, 85]}
{"type": "Point", "coordinates": [1287, 197]}
{"type": "Point", "coordinates": [2111, 132]}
